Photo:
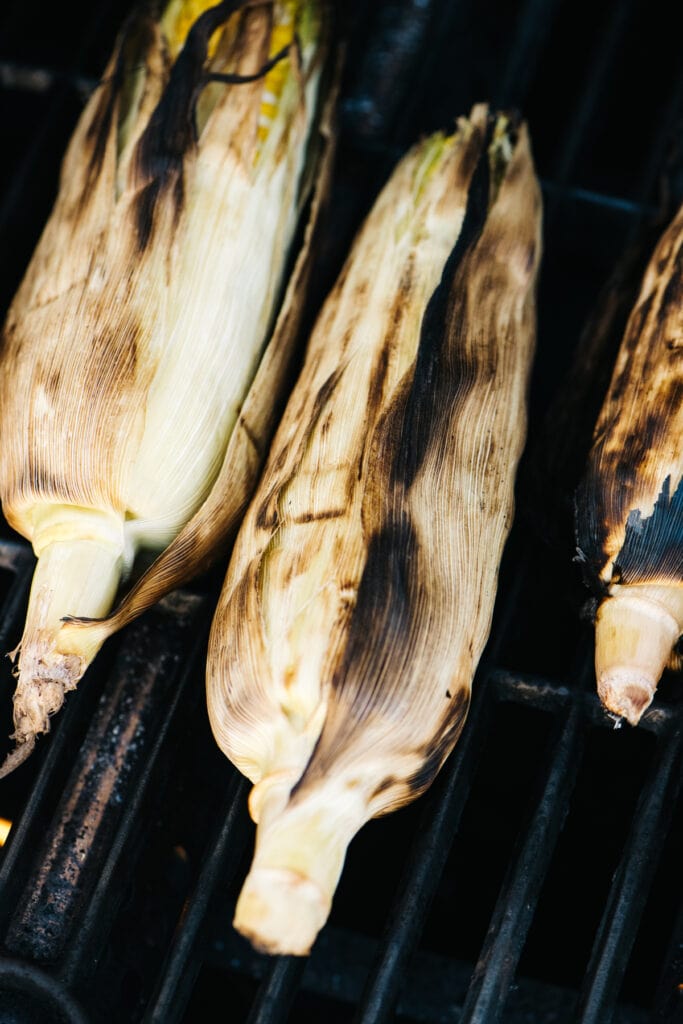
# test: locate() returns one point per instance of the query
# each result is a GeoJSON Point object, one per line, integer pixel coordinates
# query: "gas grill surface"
{"type": "Point", "coordinates": [538, 880]}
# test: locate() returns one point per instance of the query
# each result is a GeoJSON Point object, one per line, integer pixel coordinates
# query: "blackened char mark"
{"type": "Point", "coordinates": [32, 478]}
{"type": "Point", "coordinates": [634, 331]}
{"type": "Point", "coordinates": [384, 610]}
{"type": "Point", "coordinates": [382, 628]}
{"type": "Point", "coordinates": [377, 385]}
{"type": "Point", "coordinates": [385, 606]}
{"type": "Point", "coordinates": [653, 547]}
{"type": "Point", "coordinates": [148, 198]}
{"type": "Point", "coordinates": [113, 360]}
{"type": "Point", "coordinates": [605, 497]}
{"type": "Point", "coordinates": [52, 380]}
{"type": "Point", "coordinates": [423, 414]}
{"type": "Point", "coordinates": [438, 749]}
{"type": "Point", "coordinates": [661, 305]}
{"type": "Point", "coordinates": [313, 517]}
{"type": "Point", "coordinates": [671, 298]}
{"type": "Point", "coordinates": [590, 532]}
{"type": "Point", "coordinates": [388, 782]}
{"type": "Point", "coordinates": [171, 131]}
{"type": "Point", "coordinates": [100, 126]}
{"type": "Point", "coordinates": [267, 515]}
{"type": "Point", "coordinates": [136, 38]}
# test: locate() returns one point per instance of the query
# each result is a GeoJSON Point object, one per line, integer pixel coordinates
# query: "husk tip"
{"type": "Point", "coordinates": [44, 678]}
{"type": "Point", "coordinates": [16, 757]}
{"type": "Point", "coordinates": [280, 912]}
{"type": "Point", "coordinates": [626, 694]}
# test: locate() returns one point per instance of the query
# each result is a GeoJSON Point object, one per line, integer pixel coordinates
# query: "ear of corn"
{"type": "Point", "coordinates": [629, 506]}
{"type": "Point", "coordinates": [134, 372]}
{"type": "Point", "coordinates": [360, 590]}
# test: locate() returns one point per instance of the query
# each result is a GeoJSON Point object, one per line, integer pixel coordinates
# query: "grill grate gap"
{"type": "Point", "coordinates": [587, 854]}
{"type": "Point", "coordinates": [630, 887]}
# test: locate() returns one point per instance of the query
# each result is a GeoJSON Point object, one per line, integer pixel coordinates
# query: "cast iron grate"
{"type": "Point", "coordinates": [538, 880]}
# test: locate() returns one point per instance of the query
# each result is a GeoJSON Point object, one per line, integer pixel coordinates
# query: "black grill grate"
{"type": "Point", "coordinates": [538, 880]}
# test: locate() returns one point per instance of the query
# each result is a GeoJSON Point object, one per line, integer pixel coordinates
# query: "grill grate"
{"type": "Point", "coordinates": [538, 880]}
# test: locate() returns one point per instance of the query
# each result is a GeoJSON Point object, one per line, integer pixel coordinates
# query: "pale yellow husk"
{"type": "Point", "coordinates": [361, 586]}
{"type": "Point", "coordinates": [636, 629]}
{"type": "Point", "coordinates": [143, 317]}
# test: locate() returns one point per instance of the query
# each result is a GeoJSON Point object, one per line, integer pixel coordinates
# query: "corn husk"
{"type": "Point", "coordinates": [629, 506]}
{"type": "Point", "coordinates": [145, 353]}
{"type": "Point", "coordinates": [360, 590]}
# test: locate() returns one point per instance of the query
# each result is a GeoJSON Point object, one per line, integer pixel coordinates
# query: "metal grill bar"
{"type": "Point", "coordinates": [19, 853]}
{"type": "Point", "coordinates": [394, 36]}
{"type": "Point", "coordinates": [22, 78]}
{"type": "Point", "coordinates": [15, 558]}
{"type": "Point", "coordinates": [32, 996]}
{"type": "Point", "coordinates": [27, 832]}
{"type": "Point", "coordinates": [153, 690]}
{"type": "Point", "coordinates": [584, 195]}
{"type": "Point", "coordinates": [631, 885]}
{"type": "Point", "coordinates": [519, 892]}
{"type": "Point", "coordinates": [61, 909]}
{"type": "Point", "coordinates": [523, 688]}
{"type": "Point", "coordinates": [12, 197]}
{"type": "Point", "coordinates": [665, 138]}
{"type": "Point", "coordinates": [276, 994]}
{"type": "Point", "coordinates": [533, 27]}
{"type": "Point", "coordinates": [593, 85]}
{"type": "Point", "coordinates": [446, 16]}
{"type": "Point", "coordinates": [437, 829]}
{"type": "Point", "coordinates": [225, 849]}
{"type": "Point", "coordinates": [668, 1003]}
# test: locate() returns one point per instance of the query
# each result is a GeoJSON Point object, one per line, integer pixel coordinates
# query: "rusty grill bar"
{"type": "Point", "coordinates": [131, 836]}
